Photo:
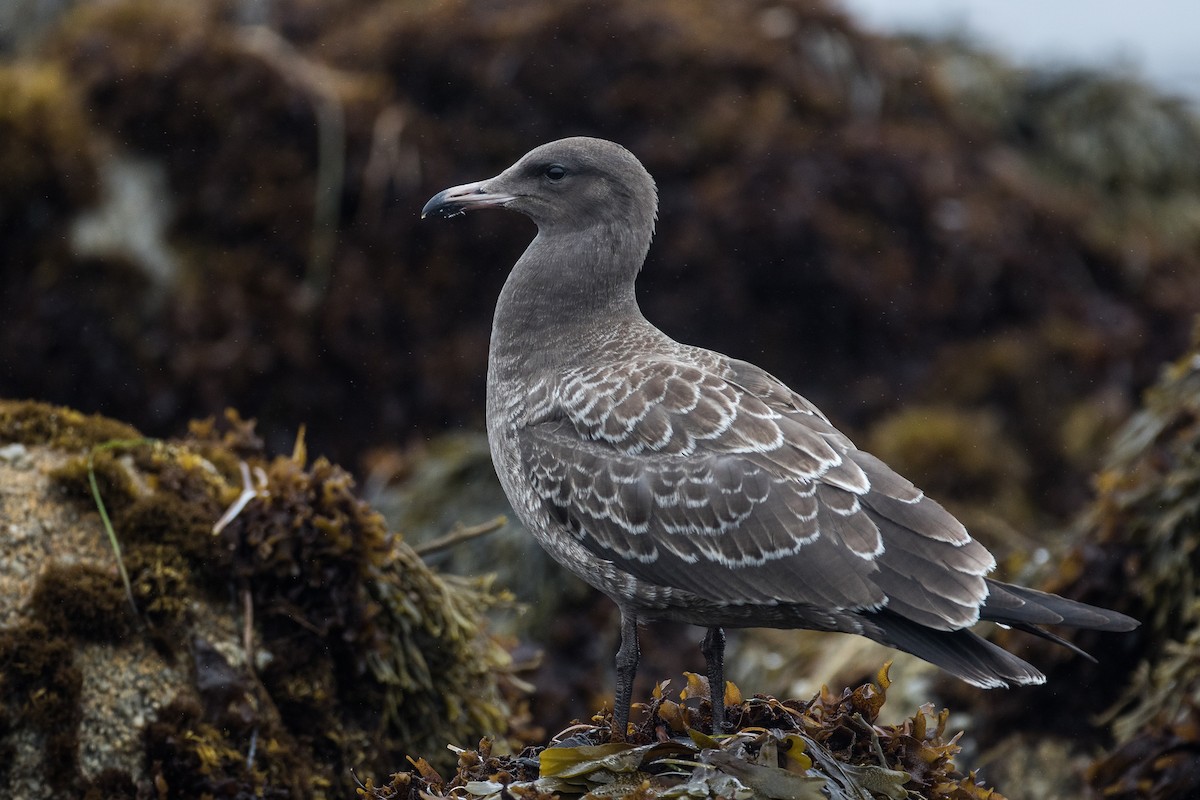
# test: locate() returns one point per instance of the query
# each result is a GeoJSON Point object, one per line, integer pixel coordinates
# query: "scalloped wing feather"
{"type": "Point", "coordinates": [738, 490]}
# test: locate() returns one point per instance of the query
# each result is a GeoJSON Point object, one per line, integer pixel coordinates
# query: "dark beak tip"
{"type": "Point", "coordinates": [460, 199]}
{"type": "Point", "coordinates": [434, 207]}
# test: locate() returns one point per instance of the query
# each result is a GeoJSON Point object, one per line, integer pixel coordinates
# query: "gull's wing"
{"type": "Point", "coordinates": [724, 483]}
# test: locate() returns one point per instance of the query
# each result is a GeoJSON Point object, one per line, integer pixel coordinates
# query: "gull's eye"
{"type": "Point", "coordinates": [555, 172]}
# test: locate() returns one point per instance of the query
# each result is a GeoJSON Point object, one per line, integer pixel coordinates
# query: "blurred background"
{"type": "Point", "coordinates": [214, 204]}
{"type": "Point", "coordinates": [967, 231]}
{"type": "Point", "coordinates": [1151, 40]}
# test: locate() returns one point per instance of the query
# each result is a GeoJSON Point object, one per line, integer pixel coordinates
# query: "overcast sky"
{"type": "Point", "coordinates": [1158, 39]}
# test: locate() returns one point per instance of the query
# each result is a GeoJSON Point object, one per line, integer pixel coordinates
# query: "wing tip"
{"type": "Point", "coordinates": [1020, 673]}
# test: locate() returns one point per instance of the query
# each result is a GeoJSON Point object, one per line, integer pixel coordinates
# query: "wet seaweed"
{"type": "Point", "coordinates": [1146, 520]}
{"type": "Point", "coordinates": [829, 747]}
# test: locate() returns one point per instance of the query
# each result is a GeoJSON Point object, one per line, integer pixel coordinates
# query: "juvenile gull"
{"type": "Point", "coordinates": [690, 486]}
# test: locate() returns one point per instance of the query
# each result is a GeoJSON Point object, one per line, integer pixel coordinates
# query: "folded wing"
{"type": "Point", "coordinates": [726, 484]}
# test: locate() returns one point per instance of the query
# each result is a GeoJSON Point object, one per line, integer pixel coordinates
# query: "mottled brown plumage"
{"type": "Point", "coordinates": [691, 486]}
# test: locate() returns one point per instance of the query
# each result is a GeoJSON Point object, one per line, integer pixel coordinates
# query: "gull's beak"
{"type": "Point", "coordinates": [461, 199]}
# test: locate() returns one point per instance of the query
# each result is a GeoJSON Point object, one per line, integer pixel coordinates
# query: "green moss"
{"type": "Point", "coordinates": [32, 423]}
{"type": "Point", "coordinates": [165, 520]}
{"type": "Point", "coordinates": [163, 588]}
{"type": "Point", "coordinates": [330, 582]}
{"type": "Point", "coordinates": [82, 601]}
{"type": "Point", "coordinates": [306, 548]}
{"type": "Point", "coordinates": [40, 687]}
{"type": "Point", "coordinates": [365, 652]}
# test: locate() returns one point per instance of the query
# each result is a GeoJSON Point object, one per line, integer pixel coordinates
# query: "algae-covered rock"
{"type": "Point", "coordinates": [1125, 723]}
{"type": "Point", "coordinates": [1148, 520]}
{"type": "Point", "coordinates": [240, 626]}
{"type": "Point", "coordinates": [567, 632]}
{"type": "Point", "coordinates": [449, 481]}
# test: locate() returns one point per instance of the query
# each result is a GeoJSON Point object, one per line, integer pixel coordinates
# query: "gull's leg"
{"type": "Point", "coordinates": [627, 664]}
{"type": "Point", "coordinates": [713, 648]}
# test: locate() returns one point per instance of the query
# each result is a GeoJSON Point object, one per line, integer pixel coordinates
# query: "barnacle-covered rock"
{"type": "Point", "coordinates": [301, 641]}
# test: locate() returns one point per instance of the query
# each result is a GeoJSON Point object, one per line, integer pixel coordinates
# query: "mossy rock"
{"type": "Point", "coordinates": [298, 643]}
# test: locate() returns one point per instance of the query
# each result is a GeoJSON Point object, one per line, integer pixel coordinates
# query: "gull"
{"type": "Point", "coordinates": [694, 487]}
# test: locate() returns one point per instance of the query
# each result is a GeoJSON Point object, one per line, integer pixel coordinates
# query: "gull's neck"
{"type": "Point", "coordinates": [567, 294]}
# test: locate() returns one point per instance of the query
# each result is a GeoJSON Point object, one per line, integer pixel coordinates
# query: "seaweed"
{"type": "Point", "coordinates": [110, 785]}
{"type": "Point", "coordinates": [963, 454]}
{"type": "Point", "coordinates": [46, 160]}
{"type": "Point", "coordinates": [190, 756]}
{"type": "Point", "coordinates": [832, 746]}
{"type": "Point", "coordinates": [352, 648]}
{"type": "Point", "coordinates": [1146, 520]}
{"type": "Point", "coordinates": [1158, 730]}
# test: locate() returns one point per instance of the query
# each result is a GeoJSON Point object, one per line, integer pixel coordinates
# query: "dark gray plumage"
{"type": "Point", "coordinates": [690, 486]}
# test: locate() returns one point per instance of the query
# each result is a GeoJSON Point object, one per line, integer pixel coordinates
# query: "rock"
{"type": "Point", "coordinates": [360, 653]}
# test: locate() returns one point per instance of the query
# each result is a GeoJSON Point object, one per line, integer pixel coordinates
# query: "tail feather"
{"type": "Point", "coordinates": [1022, 608]}
{"type": "Point", "coordinates": [962, 653]}
{"type": "Point", "coordinates": [1042, 633]}
{"type": "Point", "coordinates": [978, 661]}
